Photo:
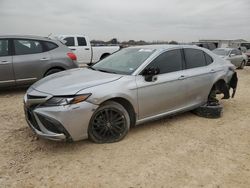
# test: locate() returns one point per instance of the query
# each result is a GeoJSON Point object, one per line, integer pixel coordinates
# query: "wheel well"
{"type": "Point", "coordinates": [220, 87]}
{"type": "Point", "coordinates": [52, 69]}
{"type": "Point", "coordinates": [104, 55]}
{"type": "Point", "coordinates": [128, 106]}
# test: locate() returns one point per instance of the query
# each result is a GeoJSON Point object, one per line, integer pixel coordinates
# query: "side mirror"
{"type": "Point", "coordinates": [149, 73]}
{"type": "Point", "coordinates": [232, 55]}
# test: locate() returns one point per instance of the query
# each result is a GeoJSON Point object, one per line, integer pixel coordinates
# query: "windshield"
{"type": "Point", "coordinates": [222, 52]}
{"type": "Point", "coordinates": [125, 61]}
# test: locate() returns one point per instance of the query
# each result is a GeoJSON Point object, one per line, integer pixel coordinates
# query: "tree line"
{"type": "Point", "coordinates": [114, 41]}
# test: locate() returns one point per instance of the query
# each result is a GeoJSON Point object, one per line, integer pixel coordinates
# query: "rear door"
{"type": "Point", "coordinates": [6, 69]}
{"type": "Point", "coordinates": [29, 60]}
{"type": "Point", "coordinates": [198, 76]}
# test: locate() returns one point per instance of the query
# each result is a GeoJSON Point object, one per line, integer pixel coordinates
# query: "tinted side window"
{"type": "Point", "coordinates": [23, 47]}
{"type": "Point", "coordinates": [69, 41]}
{"type": "Point", "coordinates": [169, 61]}
{"type": "Point", "coordinates": [4, 47]}
{"type": "Point", "coordinates": [194, 58]}
{"type": "Point", "coordinates": [208, 58]}
{"type": "Point", "coordinates": [81, 41]}
{"type": "Point", "coordinates": [50, 45]}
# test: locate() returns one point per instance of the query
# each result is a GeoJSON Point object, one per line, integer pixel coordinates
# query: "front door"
{"type": "Point", "coordinates": [167, 90]}
{"type": "Point", "coordinates": [7, 77]}
{"type": "Point", "coordinates": [235, 58]}
{"type": "Point", "coordinates": [83, 51]}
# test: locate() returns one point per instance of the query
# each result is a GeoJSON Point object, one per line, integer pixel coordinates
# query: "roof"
{"type": "Point", "coordinates": [222, 40]}
{"type": "Point", "coordinates": [25, 37]}
{"type": "Point", "coordinates": [226, 49]}
{"type": "Point", "coordinates": [163, 47]}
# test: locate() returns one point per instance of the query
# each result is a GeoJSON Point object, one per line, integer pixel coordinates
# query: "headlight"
{"type": "Point", "coordinates": [66, 100]}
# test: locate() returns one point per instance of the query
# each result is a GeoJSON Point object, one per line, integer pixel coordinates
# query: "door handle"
{"type": "Point", "coordinates": [86, 48]}
{"type": "Point", "coordinates": [182, 77]}
{"type": "Point", "coordinates": [212, 71]}
{"type": "Point", "coordinates": [45, 59]}
{"type": "Point", "coordinates": [73, 49]}
{"type": "Point", "coordinates": [4, 62]}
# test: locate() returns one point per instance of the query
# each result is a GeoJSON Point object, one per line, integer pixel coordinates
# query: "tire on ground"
{"type": "Point", "coordinates": [209, 111]}
{"type": "Point", "coordinates": [124, 114]}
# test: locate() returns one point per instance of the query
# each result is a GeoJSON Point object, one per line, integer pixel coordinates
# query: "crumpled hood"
{"type": "Point", "coordinates": [72, 81]}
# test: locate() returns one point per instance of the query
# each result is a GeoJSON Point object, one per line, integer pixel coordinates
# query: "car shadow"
{"type": "Point", "coordinates": [63, 146]}
{"type": "Point", "coordinates": [13, 91]}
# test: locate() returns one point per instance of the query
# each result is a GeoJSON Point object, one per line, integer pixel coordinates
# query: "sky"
{"type": "Point", "coordinates": [149, 20]}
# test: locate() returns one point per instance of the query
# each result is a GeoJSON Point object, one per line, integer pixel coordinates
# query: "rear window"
{"type": "Point", "coordinates": [194, 58]}
{"type": "Point", "coordinates": [50, 45]}
{"type": "Point", "coordinates": [208, 58]}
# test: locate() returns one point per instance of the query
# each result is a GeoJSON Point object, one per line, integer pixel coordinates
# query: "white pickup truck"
{"type": "Point", "coordinates": [82, 48]}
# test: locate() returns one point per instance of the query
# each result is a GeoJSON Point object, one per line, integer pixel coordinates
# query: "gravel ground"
{"type": "Point", "coordinates": [182, 151]}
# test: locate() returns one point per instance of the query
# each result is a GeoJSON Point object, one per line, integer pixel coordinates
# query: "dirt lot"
{"type": "Point", "coordinates": [183, 151]}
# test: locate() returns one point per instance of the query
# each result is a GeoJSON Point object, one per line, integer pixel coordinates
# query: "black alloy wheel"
{"type": "Point", "coordinates": [110, 123]}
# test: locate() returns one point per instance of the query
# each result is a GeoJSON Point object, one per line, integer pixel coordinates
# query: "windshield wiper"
{"type": "Point", "coordinates": [101, 70]}
{"type": "Point", "coordinates": [90, 67]}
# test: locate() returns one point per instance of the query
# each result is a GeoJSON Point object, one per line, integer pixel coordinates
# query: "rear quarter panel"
{"type": "Point", "coordinates": [60, 59]}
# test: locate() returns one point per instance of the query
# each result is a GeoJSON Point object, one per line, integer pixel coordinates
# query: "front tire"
{"type": "Point", "coordinates": [109, 123]}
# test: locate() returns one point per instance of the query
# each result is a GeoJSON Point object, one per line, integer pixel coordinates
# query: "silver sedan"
{"type": "Point", "coordinates": [234, 55]}
{"type": "Point", "coordinates": [132, 86]}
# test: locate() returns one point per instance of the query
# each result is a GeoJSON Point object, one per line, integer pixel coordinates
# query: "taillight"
{"type": "Point", "coordinates": [72, 56]}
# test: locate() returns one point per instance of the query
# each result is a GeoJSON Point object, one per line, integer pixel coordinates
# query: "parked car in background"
{"type": "Point", "coordinates": [86, 54]}
{"type": "Point", "coordinates": [247, 53]}
{"type": "Point", "coordinates": [26, 59]}
{"type": "Point", "coordinates": [132, 86]}
{"type": "Point", "coordinates": [234, 55]}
